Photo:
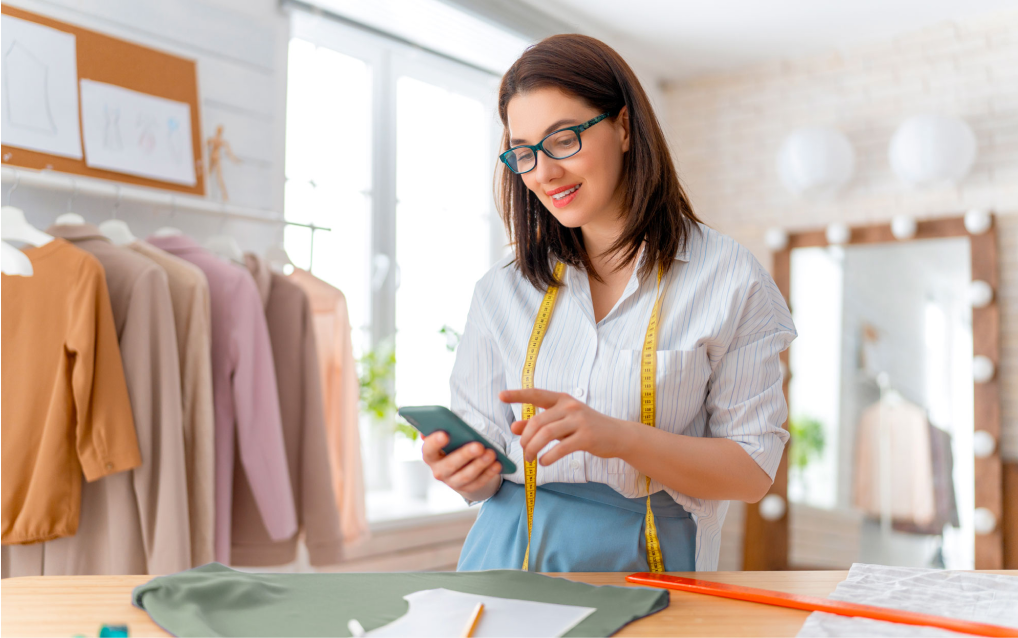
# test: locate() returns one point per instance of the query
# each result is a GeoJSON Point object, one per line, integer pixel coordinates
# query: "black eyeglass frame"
{"type": "Point", "coordinates": [579, 128]}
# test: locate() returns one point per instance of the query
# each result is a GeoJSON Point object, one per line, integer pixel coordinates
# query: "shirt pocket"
{"type": "Point", "coordinates": [680, 390]}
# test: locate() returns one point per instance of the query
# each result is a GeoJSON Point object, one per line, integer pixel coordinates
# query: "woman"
{"type": "Point", "coordinates": [613, 279]}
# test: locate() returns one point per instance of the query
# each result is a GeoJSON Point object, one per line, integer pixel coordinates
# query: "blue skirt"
{"type": "Point", "coordinates": [578, 527]}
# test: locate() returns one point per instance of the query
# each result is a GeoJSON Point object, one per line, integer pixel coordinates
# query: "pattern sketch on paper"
{"type": "Point", "coordinates": [111, 134]}
{"type": "Point", "coordinates": [39, 101]}
{"type": "Point", "coordinates": [137, 133]}
{"type": "Point", "coordinates": [28, 107]}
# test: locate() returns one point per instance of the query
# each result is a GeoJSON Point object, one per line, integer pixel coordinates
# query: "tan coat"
{"type": "Point", "coordinates": [291, 331]}
{"type": "Point", "coordinates": [137, 522]}
{"type": "Point", "coordinates": [911, 466]}
{"type": "Point", "coordinates": [189, 292]}
{"type": "Point", "coordinates": [65, 404]}
{"type": "Point", "coordinates": [342, 399]}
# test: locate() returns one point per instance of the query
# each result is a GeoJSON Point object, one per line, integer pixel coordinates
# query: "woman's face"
{"type": "Point", "coordinates": [594, 172]}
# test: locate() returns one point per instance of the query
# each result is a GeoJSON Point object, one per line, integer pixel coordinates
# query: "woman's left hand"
{"type": "Point", "coordinates": [576, 425]}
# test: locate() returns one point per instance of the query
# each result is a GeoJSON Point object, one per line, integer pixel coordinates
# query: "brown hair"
{"type": "Point", "coordinates": [657, 209]}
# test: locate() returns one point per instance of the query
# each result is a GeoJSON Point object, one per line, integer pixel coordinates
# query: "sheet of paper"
{"type": "Point", "coordinates": [443, 612]}
{"type": "Point", "coordinates": [987, 598]}
{"type": "Point", "coordinates": [40, 88]}
{"type": "Point", "coordinates": [136, 133]}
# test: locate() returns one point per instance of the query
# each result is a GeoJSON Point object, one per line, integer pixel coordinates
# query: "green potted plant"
{"type": "Point", "coordinates": [378, 403]}
{"type": "Point", "coordinates": [807, 444]}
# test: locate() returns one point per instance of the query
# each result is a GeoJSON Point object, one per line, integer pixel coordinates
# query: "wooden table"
{"type": "Point", "coordinates": [78, 605]}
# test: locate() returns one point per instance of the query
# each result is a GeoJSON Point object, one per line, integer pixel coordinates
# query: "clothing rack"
{"type": "Point", "coordinates": [52, 180]}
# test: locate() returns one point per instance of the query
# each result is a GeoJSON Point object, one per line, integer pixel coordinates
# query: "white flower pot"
{"type": "Point", "coordinates": [413, 478]}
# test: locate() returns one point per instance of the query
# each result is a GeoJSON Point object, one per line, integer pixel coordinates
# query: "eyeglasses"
{"type": "Point", "coordinates": [559, 144]}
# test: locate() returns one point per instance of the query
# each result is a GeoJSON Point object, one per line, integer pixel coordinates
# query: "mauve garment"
{"type": "Point", "coordinates": [292, 332]}
{"type": "Point", "coordinates": [244, 395]}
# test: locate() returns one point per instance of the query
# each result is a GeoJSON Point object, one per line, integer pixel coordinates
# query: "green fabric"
{"type": "Point", "coordinates": [214, 600]}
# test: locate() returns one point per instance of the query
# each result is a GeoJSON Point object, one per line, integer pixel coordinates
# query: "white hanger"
{"type": "Point", "coordinates": [168, 231]}
{"type": "Point", "coordinates": [13, 227]}
{"type": "Point", "coordinates": [226, 247]}
{"type": "Point", "coordinates": [279, 261]}
{"type": "Point", "coordinates": [117, 231]}
{"type": "Point", "coordinates": [14, 262]}
{"type": "Point", "coordinates": [70, 219]}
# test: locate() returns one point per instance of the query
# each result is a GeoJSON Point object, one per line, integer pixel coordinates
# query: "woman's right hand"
{"type": "Point", "coordinates": [470, 470]}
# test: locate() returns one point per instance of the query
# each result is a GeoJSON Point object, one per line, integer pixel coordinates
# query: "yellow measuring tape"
{"type": "Point", "coordinates": [648, 366]}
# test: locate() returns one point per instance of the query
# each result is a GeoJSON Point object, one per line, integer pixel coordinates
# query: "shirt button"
{"type": "Point", "coordinates": [574, 464]}
{"type": "Point", "coordinates": [109, 466]}
{"type": "Point", "coordinates": [579, 392]}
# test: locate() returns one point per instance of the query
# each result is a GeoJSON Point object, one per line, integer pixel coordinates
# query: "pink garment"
{"type": "Point", "coordinates": [244, 395]}
{"type": "Point", "coordinates": [340, 389]}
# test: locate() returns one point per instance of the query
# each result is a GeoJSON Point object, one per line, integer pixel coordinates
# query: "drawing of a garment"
{"type": "Point", "coordinates": [176, 139]}
{"type": "Point", "coordinates": [26, 89]}
{"type": "Point", "coordinates": [147, 126]}
{"type": "Point", "coordinates": [111, 130]}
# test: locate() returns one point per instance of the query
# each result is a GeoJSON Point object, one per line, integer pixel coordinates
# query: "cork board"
{"type": "Point", "coordinates": [113, 61]}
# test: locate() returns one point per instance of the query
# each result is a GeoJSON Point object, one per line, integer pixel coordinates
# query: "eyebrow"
{"type": "Point", "coordinates": [557, 125]}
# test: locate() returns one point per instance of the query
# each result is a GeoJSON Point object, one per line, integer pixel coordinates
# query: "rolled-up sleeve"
{"type": "Point", "coordinates": [477, 377]}
{"type": "Point", "coordinates": [745, 400]}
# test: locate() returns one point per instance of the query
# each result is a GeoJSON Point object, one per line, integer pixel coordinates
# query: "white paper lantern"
{"type": "Point", "coordinates": [983, 444]}
{"type": "Point", "coordinates": [903, 227]}
{"type": "Point", "coordinates": [982, 369]}
{"type": "Point", "coordinates": [978, 221]}
{"type": "Point", "coordinates": [932, 149]}
{"type": "Point", "coordinates": [838, 233]}
{"type": "Point", "coordinates": [984, 521]}
{"type": "Point", "coordinates": [816, 161]}
{"type": "Point", "coordinates": [776, 239]}
{"type": "Point", "coordinates": [980, 293]}
{"type": "Point", "coordinates": [772, 507]}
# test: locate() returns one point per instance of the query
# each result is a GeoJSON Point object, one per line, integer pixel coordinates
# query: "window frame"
{"type": "Point", "coordinates": [389, 60]}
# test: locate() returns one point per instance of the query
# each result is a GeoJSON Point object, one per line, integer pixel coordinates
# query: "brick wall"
{"type": "Point", "coordinates": [725, 131]}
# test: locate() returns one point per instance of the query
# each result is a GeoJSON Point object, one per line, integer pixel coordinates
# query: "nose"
{"type": "Point", "coordinates": [547, 169]}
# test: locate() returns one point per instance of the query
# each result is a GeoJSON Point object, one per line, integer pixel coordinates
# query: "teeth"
{"type": "Point", "coordinates": [565, 193]}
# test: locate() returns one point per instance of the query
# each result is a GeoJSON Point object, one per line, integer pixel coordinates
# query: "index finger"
{"type": "Point", "coordinates": [533, 396]}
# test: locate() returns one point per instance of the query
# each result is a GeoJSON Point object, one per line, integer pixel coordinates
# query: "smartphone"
{"type": "Point", "coordinates": [432, 418]}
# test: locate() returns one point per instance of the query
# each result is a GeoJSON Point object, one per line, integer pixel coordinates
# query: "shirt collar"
{"type": "Point", "coordinates": [174, 243]}
{"type": "Point", "coordinates": [76, 232]}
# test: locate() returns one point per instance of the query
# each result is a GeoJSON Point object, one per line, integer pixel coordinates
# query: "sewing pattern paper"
{"type": "Point", "coordinates": [443, 612]}
{"type": "Point", "coordinates": [987, 598]}
{"type": "Point", "coordinates": [40, 89]}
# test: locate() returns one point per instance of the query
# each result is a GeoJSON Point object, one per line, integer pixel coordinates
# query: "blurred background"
{"type": "Point", "coordinates": [866, 152]}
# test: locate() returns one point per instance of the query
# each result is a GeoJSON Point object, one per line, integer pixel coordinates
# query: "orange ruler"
{"type": "Point", "coordinates": [813, 603]}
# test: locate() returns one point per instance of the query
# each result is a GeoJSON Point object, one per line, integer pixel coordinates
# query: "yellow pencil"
{"type": "Point", "coordinates": [475, 617]}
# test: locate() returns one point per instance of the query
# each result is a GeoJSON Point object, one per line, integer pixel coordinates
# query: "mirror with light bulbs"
{"type": "Point", "coordinates": [893, 400]}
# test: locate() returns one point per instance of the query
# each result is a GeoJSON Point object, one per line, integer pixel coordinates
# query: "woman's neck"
{"type": "Point", "coordinates": [597, 239]}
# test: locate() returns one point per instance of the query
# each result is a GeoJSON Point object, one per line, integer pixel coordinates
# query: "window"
{"type": "Point", "coordinates": [393, 149]}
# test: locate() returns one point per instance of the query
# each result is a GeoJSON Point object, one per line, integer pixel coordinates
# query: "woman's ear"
{"type": "Point", "coordinates": [622, 121]}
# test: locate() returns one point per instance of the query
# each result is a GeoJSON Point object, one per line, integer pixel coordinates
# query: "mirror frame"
{"type": "Point", "coordinates": [765, 542]}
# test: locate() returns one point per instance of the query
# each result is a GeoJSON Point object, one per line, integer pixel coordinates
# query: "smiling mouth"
{"type": "Point", "coordinates": [566, 193]}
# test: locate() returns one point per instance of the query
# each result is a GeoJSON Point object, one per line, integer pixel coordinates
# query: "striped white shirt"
{"type": "Point", "coordinates": [723, 324]}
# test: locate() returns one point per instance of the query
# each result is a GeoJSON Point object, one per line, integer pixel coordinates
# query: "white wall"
{"type": "Point", "coordinates": [726, 130]}
{"type": "Point", "coordinates": [240, 48]}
